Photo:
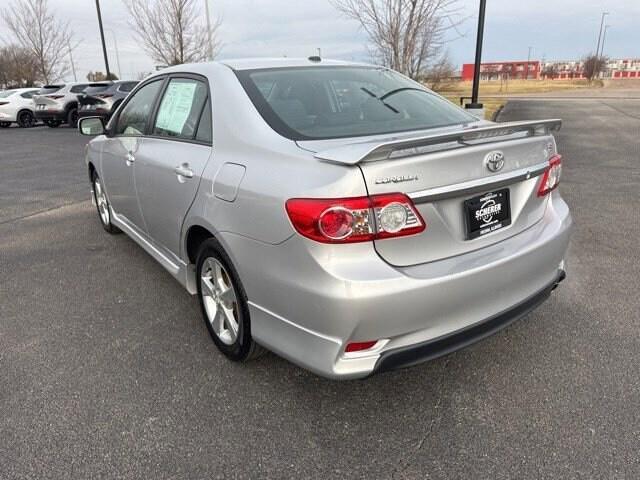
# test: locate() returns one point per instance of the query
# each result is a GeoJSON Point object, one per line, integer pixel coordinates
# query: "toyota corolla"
{"type": "Point", "coordinates": [338, 214]}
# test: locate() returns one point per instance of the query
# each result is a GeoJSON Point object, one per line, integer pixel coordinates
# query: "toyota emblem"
{"type": "Point", "coordinates": [494, 161]}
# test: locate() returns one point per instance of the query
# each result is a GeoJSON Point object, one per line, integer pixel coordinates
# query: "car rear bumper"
{"type": "Point", "coordinates": [309, 300]}
{"type": "Point", "coordinates": [432, 349]}
{"type": "Point", "coordinates": [48, 115]}
{"type": "Point", "coordinates": [8, 116]}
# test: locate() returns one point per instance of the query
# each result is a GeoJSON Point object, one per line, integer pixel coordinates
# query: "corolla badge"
{"type": "Point", "coordinates": [494, 161]}
{"type": "Point", "coordinates": [396, 179]}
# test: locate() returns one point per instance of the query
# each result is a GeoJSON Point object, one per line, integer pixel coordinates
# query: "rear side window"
{"type": "Point", "coordinates": [180, 109]}
{"type": "Point", "coordinates": [28, 94]}
{"type": "Point", "coordinates": [333, 102]}
{"type": "Point", "coordinates": [127, 86]}
{"type": "Point", "coordinates": [48, 89]}
{"type": "Point", "coordinates": [205, 130]}
{"type": "Point", "coordinates": [78, 88]}
{"type": "Point", "coordinates": [96, 88]}
{"type": "Point", "coordinates": [135, 115]}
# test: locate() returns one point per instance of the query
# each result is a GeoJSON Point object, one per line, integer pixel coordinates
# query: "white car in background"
{"type": "Point", "coordinates": [17, 106]}
{"type": "Point", "coordinates": [58, 104]}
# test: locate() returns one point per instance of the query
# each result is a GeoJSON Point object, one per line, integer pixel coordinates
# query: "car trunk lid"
{"type": "Point", "coordinates": [442, 171]}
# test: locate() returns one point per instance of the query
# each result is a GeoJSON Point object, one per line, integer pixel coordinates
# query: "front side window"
{"type": "Point", "coordinates": [180, 109]}
{"type": "Point", "coordinates": [135, 115]}
{"type": "Point", "coordinates": [333, 102]}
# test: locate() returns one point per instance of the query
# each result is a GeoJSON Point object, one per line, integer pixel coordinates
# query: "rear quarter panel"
{"type": "Point", "coordinates": [276, 170]}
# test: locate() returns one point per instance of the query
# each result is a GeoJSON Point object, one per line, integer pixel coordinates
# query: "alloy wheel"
{"type": "Point", "coordinates": [26, 120]}
{"type": "Point", "coordinates": [101, 202]}
{"type": "Point", "coordinates": [220, 300]}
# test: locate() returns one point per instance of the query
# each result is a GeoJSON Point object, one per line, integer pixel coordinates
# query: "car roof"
{"type": "Point", "coordinates": [284, 62]}
{"type": "Point", "coordinates": [260, 63]}
{"type": "Point", "coordinates": [21, 90]}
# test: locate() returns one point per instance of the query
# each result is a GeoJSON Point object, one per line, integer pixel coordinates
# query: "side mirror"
{"type": "Point", "coordinates": [91, 126]}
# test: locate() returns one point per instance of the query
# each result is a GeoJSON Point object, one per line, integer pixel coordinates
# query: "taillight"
{"type": "Point", "coordinates": [357, 219]}
{"type": "Point", "coordinates": [105, 95]}
{"type": "Point", "coordinates": [551, 177]}
{"type": "Point", "coordinates": [55, 97]}
{"type": "Point", "coordinates": [359, 346]}
{"type": "Point", "coordinates": [4, 103]}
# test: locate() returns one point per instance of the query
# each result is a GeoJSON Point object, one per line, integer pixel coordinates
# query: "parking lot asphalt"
{"type": "Point", "coordinates": [107, 370]}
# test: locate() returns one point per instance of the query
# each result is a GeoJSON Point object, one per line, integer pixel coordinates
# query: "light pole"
{"type": "Point", "coordinates": [604, 37]}
{"type": "Point", "coordinates": [604, 14]}
{"type": "Point", "coordinates": [115, 42]}
{"type": "Point", "coordinates": [474, 105]}
{"type": "Point", "coordinates": [73, 65]}
{"type": "Point", "coordinates": [601, 56]}
{"type": "Point", "coordinates": [526, 76]}
{"type": "Point", "coordinates": [104, 47]}
{"type": "Point", "coordinates": [209, 39]}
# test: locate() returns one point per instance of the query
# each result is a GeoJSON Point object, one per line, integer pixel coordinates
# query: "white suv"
{"type": "Point", "coordinates": [16, 106]}
{"type": "Point", "coordinates": [57, 104]}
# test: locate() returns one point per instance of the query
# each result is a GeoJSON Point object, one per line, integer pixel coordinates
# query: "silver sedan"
{"type": "Point", "coordinates": [340, 215]}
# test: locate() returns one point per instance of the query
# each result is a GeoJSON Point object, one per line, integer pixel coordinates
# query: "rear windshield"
{"type": "Point", "coordinates": [47, 89]}
{"type": "Point", "coordinates": [96, 88]}
{"type": "Point", "coordinates": [333, 102]}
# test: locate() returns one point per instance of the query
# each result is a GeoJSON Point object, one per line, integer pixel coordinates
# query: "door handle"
{"type": "Point", "coordinates": [184, 171]}
{"type": "Point", "coordinates": [130, 159]}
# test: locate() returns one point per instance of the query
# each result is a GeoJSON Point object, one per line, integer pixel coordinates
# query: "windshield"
{"type": "Point", "coordinates": [333, 102]}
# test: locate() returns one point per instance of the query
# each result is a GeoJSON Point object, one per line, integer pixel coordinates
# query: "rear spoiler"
{"type": "Point", "coordinates": [354, 153]}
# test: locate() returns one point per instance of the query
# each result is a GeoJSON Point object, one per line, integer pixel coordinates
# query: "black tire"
{"type": "Point", "coordinates": [105, 219]}
{"type": "Point", "coordinates": [244, 348]}
{"type": "Point", "coordinates": [53, 123]}
{"type": "Point", "coordinates": [72, 117]}
{"type": "Point", "coordinates": [26, 119]}
{"type": "Point", "coordinates": [5, 124]}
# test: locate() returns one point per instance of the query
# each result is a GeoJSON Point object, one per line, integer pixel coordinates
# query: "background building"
{"type": "Point", "coordinates": [556, 70]}
{"type": "Point", "coordinates": [503, 70]}
{"type": "Point", "coordinates": [624, 68]}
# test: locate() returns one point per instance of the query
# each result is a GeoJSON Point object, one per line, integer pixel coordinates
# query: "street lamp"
{"type": "Point", "coordinates": [209, 37]}
{"type": "Point", "coordinates": [526, 75]}
{"type": "Point", "coordinates": [104, 46]}
{"type": "Point", "coordinates": [474, 105]}
{"type": "Point", "coordinates": [604, 36]}
{"type": "Point", "coordinates": [115, 42]}
{"type": "Point", "coordinates": [604, 14]}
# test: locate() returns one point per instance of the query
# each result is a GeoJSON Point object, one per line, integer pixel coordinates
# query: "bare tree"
{"type": "Point", "coordinates": [593, 65]}
{"type": "Point", "coordinates": [170, 32]}
{"type": "Point", "coordinates": [550, 71]}
{"type": "Point", "coordinates": [36, 29]}
{"type": "Point", "coordinates": [18, 67]}
{"type": "Point", "coordinates": [441, 71]}
{"type": "Point", "coordinates": [406, 35]}
{"type": "Point", "coordinates": [98, 76]}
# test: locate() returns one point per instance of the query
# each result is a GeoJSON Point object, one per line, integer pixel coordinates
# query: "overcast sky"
{"type": "Point", "coordinates": [556, 29]}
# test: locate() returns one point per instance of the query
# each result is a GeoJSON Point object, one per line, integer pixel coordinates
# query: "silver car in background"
{"type": "Point", "coordinates": [338, 214]}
